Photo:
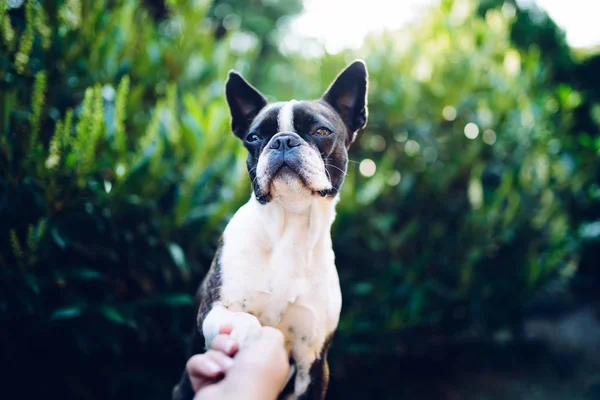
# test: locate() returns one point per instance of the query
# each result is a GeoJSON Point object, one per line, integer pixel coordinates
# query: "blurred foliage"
{"type": "Point", "coordinates": [259, 23]}
{"type": "Point", "coordinates": [473, 189]}
{"type": "Point", "coordinates": [113, 176]}
{"type": "Point", "coordinates": [570, 69]}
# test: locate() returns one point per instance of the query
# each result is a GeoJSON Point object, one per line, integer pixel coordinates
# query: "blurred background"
{"type": "Point", "coordinates": [467, 237]}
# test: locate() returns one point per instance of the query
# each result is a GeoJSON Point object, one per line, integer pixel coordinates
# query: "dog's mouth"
{"type": "Point", "coordinates": [288, 172]}
{"type": "Point", "coordinates": [286, 169]}
{"type": "Point", "coordinates": [291, 174]}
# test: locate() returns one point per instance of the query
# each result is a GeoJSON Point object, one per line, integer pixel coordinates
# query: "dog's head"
{"type": "Point", "coordinates": [299, 147]}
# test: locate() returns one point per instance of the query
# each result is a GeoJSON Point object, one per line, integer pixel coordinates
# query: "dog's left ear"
{"type": "Point", "coordinates": [348, 96]}
{"type": "Point", "coordinates": [245, 102]}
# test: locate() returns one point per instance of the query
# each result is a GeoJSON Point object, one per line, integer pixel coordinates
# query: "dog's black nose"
{"type": "Point", "coordinates": [285, 142]}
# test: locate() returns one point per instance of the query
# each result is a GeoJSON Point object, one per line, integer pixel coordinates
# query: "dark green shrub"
{"type": "Point", "coordinates": [116, 166]}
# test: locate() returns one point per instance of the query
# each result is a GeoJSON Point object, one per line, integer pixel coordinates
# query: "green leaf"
{"type": "Point", "coordinates": [33, 283]}
{"type": "Point", "coordinates": [60, 241]}
{"type": "Point", "coordinates": [174, 300]}
{"type": "Point", "coordinates": [177, 255]}
{"type": "Point", "coordinates": [362, 288]}
{"type": "Point", "coordinates": [81, 274]}
{"type": "Point", "coordinates": [85, 274]}
{"type": "Point", "coordinates": [115, 316]}
{"type": "Point", "coordinates": [171, 300]}
{"type": "Point", "coordinates": [66, 313]}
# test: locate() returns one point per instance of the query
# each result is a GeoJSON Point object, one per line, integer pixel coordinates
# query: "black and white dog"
{"type": "Point", "coordinates": [275, 264]}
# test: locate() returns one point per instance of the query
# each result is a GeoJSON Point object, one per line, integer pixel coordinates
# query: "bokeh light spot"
{"type": "Point", "coordinates": [412, 148]}
{"type": "Point", "coordinates": [401, 136]}
{"type": "Point", "coordinates": [108, 92]}
{"type": "Point", "coordinates": [394, 178]}
{"type": "Point", "coordinates": [554, 146]}
{"type": "Point", "coordinates": [475, 193]}
{"type": "Point", "coordinates": [423, 70]}
{"type": "Point", "coordinates": [367, 167]}
{"type": "Point", "coordinates": [449, 113]}
{"type": "Point", "coordinates": [489, 137]}
{"type": "Point", "coordinates": [509, 10]}
{"type": "Point", "coordinates": [120, 170]}
{"type": "Point", "coordinates": [52, 161]}
{"type": "Point", "coordinates": [377, 143]}
{"type": "Point", "coordinates": [471, 130]}
{"type": "Point", "coordinates": [512, 62]}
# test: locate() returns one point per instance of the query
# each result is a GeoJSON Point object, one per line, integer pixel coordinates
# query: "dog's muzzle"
{"type": "Point", "coordinates": [290, 158]}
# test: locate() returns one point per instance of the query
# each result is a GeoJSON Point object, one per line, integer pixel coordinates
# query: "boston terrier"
{"type": "Point", "coordinates": [275, 264]}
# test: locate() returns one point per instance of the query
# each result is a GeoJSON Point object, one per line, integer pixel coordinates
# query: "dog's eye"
{"type": "Point", "coordinates": [322, 132]}
{"type": "Point", "coordinates": [253, 137]}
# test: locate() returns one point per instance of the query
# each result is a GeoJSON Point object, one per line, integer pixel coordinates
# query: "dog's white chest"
{"type": "Point", "coordinates": [280, 267]}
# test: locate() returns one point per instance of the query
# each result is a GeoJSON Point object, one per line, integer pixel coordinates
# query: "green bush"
{"type": "Point", "coordinates": [477, 222]}
{"type": "Point", "coordinates": [117, 167]}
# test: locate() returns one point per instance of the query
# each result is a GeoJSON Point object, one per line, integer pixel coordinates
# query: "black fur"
{"type": "Point", "coordinates": [319, 375]}
{"type": "Point", "coordinates": [348, 96]}
{"type": "Point", "coordinates": [245, 102]}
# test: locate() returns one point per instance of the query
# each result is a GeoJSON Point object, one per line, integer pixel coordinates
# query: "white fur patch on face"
{"type": "Point", "coordinates": [285, 118]}
{"type": "Point", "coordinates": [313, 170]}
{"type": "Point", "coordinates": [262, 176]}
{"type": "Point", "coordinates": [288, 184]}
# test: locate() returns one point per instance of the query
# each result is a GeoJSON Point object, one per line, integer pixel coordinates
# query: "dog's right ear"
{"type": "Point", "coordinates": [245, 102]}
{"type": "Point", "coordinates": [348, 96]}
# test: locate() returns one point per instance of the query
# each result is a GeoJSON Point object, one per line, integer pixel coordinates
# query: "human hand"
{"type": "Point", "coordinates": [207, 368]}
{"type": "Point", "coordinates": [258, 371]}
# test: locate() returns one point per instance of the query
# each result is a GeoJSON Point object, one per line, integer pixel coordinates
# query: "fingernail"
{"type": "Point", "coordinates": [212, 367]}
{"type": "Point", "coordinates": [227, 362]}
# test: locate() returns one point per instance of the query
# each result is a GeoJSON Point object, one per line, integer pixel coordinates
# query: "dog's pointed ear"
{"type": "Point", "coordinates": [348, 96]}
{"type": "Point", "coordinates": [245, 102]}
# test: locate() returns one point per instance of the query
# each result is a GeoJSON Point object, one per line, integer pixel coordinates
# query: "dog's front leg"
{"type": "Point", "coordinates": [312, 377]}
{"type": "Point", "coordinates": [319, 380]}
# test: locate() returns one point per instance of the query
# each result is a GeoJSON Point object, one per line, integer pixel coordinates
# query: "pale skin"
{"type": "Point", "coordinates": [256, 372]}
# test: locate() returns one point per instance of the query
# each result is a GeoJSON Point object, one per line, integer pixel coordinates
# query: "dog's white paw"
{"type": "Point", "coordinates": [245, 326]}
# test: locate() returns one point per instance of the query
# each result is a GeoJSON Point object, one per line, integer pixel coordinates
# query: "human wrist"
{"type": "Point", "coordinates": [249, 383]}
